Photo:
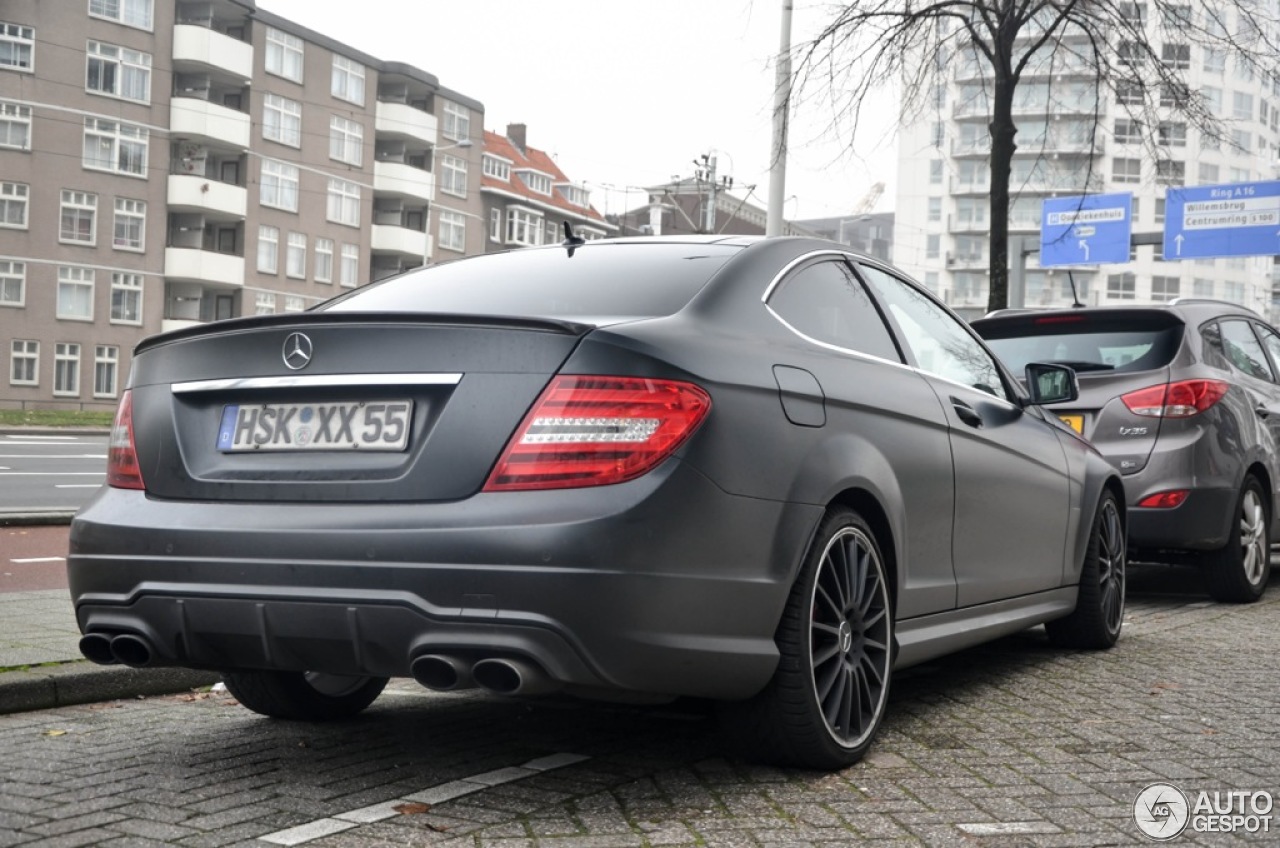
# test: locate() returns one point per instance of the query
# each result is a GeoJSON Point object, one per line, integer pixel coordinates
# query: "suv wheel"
{"type": "Point", "coordinates": [1239, 572]}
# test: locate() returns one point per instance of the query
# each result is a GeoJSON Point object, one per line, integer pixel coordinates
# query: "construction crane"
{"type": "Point", "coordinates": [868, 201]}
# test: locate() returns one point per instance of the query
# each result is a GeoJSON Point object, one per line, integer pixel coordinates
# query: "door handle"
{"type": "Point", "coordinates": [966, 412]}
{"type": "Point", "coordinates": [1262, 411]}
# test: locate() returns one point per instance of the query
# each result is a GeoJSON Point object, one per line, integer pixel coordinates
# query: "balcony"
{"type": "Point", "coordinates": [212, 51]}
{"type": "Point", "coordinates": [387, 238]}
{"type": "Point", "coordinates": [192, 117]}
{"type": "Point", "coordinates": [400, 119]}
{"type": "Point", "coordinates": [192, 265]}
{"type": "Point", "coordinates": [216, 201]}
{"type": "Point", "coordinates": [396, 178]}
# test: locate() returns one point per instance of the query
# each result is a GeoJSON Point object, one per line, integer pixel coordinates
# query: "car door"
{"type": "Point", "coordinates": [1013, 490]}
{"type": "Point", "coordinates": [848, 378]}
{"type": "Point", "coordinates": [1253, 369]}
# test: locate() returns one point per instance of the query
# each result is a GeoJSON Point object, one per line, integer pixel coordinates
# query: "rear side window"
{"type": "Point", "coordinates": [1119, 344]}
{"type": "Point", "coordinates": [600, 280]}
{"type": "Point", "coordinates": [827, 303]}
{"type": "Point", "coordinates": [1243, 350]}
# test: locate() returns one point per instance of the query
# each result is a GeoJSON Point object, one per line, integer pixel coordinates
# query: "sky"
{"type": "Point", "coordinates": [627, 94]}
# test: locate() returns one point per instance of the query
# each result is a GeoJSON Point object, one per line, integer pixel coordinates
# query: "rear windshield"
{"type": "Point", "coordinates": [600, 280]}
{"type": "Point", "coordinates": [1084, 345]}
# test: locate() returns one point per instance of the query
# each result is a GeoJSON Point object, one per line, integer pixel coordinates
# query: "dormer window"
{"type": "Point", "coordinates": [499, 169]}
{"type": "Point", "coordinates": [575, 194]}
{"type": "Point", "coordinates": [536, 181]}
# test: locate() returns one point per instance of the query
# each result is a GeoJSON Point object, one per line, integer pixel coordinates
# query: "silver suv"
{"type": "Point", "coordinates": [1184, 400]}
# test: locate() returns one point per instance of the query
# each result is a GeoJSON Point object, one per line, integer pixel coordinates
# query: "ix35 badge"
{"type": "Point", "coordinates": [297, 351]}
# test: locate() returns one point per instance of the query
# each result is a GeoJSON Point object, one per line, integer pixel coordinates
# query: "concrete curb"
{"type": "Point", "coordinates": [36, 519]}
{"type": "Point", "coordinates": [45, 687]}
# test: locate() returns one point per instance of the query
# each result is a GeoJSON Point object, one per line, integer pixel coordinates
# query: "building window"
{"type": "Point", "coordinates": [17, 47]}
{"type": "Point", "coordinates": [1128, 131]}
{"type": "Point", "coordinates": [1170, 172]}
{"type": "Point", "coordinates": [130, 224]}
{"type": "Point", "coordinates": [495, 224]}
{"type": "Point", "coordinates": [264, 303]}
{"type": "Point", "coordinates": [935, 171]}
{"type": "Point", "coordinates": [346, 140]}
{"type": "Point", "coordinates": [15, 126]}
{"type": "Point", "coordinates": [1159, 210]}
{"type": "Point", "coordinates": [1126, 170]}
{"type": "Point", "coordinates": [1174, 95]}
{"type": "Point", "coordinates": [349, 267]}
{"type": "Point", "coordinates": [1215, 60]}
{"type": "Point", "coordinates": [119, 72]}
{"type": "Point", "coordinates": [24, 365]}
{"type": "Point", "coordinates": [278, 186]}
{"type": "Point", "coordinates": [523, 226]}
{"type": "Point", "coordinates": [935, 208]}
{"type": "Point", "coordinates": [66, 368]}
{"type": "Point", "coordinates": [115, 146]}
{"type": "Point", "coordinates": [294, 303]}
{"type": "Point", "coordinates": [1177, 56]}
{"type": "Point", "coordinates": [75, 293]}
{"type": "Point", "coordinates": [13, 205]}
{"type": "Point", "coordinates": [1129, 94]}
{"type": "Point", "coordinates": [1172, 133]}
{"type": "Point", "coordinates": [344, 202]}
{"type": "Point", "coordinates": [134, 13]}
{"type": "Point", "coordinates": [1208, 174]}
{"type": "Point", "coordinates": [106, 366]}
{"type": "Point", "coordinates": [324, 260]}
{"type": "Point", "coordinates": [295, 257]}
{"type": "Point", "coordinates": [932, 246]}
{"type": "Point", "coordinates": [1165, 288]}
{"type": "Point", "coordinates": [541, 183]}
{"type": "Point", "coordinates": [78, 217]}
{"type": "Point", "coordinates": [550, 237]}
{"type": "Point", "coordinates": [1233, 291]}
{"type": "Point", "coordinates": [453, 175]}
{"type": "Point", "coordinates": [282, 120]}
{"type": "Point", "coordinates": [496, 168]}
{"type": "Point", "coordinates": [348, 80]}
{"type": "Point", "coordinates": [284, 54]}
{"type": "Point", "coordinates": [457, 121]}
{"type": "Point", "coordinates": [268, 249]}
{"type": "Point", "coordinates": [126, 298]}
{"type": "Point", "coordinates": [1201, 287]}
{"type": "Point", "coordinates": [13, 282]}
{"type": "Point", "coordinates": [1242, 106]}
{"type": "Point", "coordinates": [453, 231]}
{"type": "Point", "coordinates": [1121, 286]}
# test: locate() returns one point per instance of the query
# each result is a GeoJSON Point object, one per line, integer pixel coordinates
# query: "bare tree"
{"type": "Point", "coordinates": [1136, 55]}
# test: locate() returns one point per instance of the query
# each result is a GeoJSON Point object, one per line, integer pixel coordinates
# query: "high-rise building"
{"type": "Point", "coordinates": [1076, 137]}
{"type": "Point", "coordinates": [167, 163]}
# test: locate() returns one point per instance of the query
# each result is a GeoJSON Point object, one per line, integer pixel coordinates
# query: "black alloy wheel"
{"type": "Point", "coordinates": [1099, 614]}
{"type": "Point", "coordinates": [303, 695]}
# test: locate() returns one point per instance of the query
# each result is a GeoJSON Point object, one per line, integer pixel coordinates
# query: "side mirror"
{"type": "Point", "coordinates": [1048, 383]}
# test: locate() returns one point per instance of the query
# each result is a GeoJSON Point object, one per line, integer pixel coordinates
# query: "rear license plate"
{"type": "Point", "coordinates": [1075, 422]}
{"type": "Point", "coordinates": [381, 425]}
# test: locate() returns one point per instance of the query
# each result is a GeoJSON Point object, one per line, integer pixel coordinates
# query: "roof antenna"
{"type": "Point", "coordinates": [571, 242]}
{"type": "Point", "coordinates": [1075, 297]}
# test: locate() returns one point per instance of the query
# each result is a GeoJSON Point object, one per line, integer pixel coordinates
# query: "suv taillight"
{"type": "Point", "coordinates": [593, 431]}
{"type": "Point", "coordinates": [122, 459]}
{"type": "Point", "coordinates": [1175, 400]}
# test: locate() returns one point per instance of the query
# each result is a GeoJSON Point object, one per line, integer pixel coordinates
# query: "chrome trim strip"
{"type": "Point", "coordinates": [309, 381]}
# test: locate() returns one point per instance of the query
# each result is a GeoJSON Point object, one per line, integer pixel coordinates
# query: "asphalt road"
{"type": "Point", "coordinates": [42, 472]}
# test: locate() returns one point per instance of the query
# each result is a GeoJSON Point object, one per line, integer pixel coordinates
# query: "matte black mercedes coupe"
{"type": "Point", "coordinates": [762, 471]}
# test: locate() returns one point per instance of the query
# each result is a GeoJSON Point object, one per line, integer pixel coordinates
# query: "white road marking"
{"type": "Point", "coordinates": [13, 439]}
{"type": "Point", "coordinates": [1005, 828]}
{"type": "Point", "coordinates": [53, 456]}
{"type": "Point", "coordinates": [53, 474]}
{"type": "Point", "coordinates": [38, 559]}
{"type": "Point", "coordinates": [76, 485]}
{"type": "Point", "coordinates": [434, 795]}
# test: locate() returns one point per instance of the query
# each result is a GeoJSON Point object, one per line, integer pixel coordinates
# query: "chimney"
{"type": "Point", "coordinates": [515, 132]}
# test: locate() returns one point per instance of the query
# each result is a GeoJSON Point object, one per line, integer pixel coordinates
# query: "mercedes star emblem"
{"type": "Point", "coordinates": [297, 351]}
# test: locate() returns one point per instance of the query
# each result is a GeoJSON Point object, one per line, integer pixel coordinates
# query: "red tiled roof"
{"type": "Point", "coordinates": [501, 146]}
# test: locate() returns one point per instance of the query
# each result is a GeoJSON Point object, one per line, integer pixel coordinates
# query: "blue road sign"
{"type": "Point", "coordinates": [1239, 219]}
{"type": "Point", "coordinates": [1086, 230]}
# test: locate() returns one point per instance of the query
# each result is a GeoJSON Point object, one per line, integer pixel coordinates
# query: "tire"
{"type": "Point", "coordinates": [303, 695]}
{"type": "Point", "coordinates": [828, 695]}
{"type": "Point", "coordinates": [1238, 573]}
{"type": "Point", "coordinates": [1099, 614]}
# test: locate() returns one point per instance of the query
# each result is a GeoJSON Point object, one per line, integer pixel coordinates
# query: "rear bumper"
{"type": "Point", "coordinates": [662, 585]}
{"type": "Point", "coordinates": [1201, 523]}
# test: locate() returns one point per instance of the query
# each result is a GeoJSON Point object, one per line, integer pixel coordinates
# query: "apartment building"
{"type": "Point", "coordinates": [168, 163]}
{"type": "Point", "coordinates": [1077, 138]}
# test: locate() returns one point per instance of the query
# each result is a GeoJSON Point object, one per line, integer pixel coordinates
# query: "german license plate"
{"type": "Point", "coordinates": [1075, 422]}
{"type": "Point", "coordinates": [377, 425]}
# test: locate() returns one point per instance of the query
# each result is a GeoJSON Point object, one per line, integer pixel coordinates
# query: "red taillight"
{"type": "Point", "coordinates": [1175, 400]}
{"type": "Point", "coordinates": [122, 459]}
{"type": "Point", "coordinates": [1165, 500]}
{"type": "Point", "coordinates": [593, 431]}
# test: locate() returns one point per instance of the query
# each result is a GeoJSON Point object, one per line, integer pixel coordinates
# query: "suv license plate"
{"type": "Point", "coordinates": [381, 425]}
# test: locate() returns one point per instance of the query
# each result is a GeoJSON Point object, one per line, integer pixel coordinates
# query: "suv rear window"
{"type": "Point", "coordinates": [601, 280]}
{"type": "Point", "coordinates": [1111, 342]}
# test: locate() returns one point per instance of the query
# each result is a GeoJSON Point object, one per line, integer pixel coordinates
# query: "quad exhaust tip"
{"type": "Point", "coordinates": [441, 673]}
{"type": "Point", "coordinates": [96, 647]}
{"type": "Point", "coordinates": [512, 677]}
